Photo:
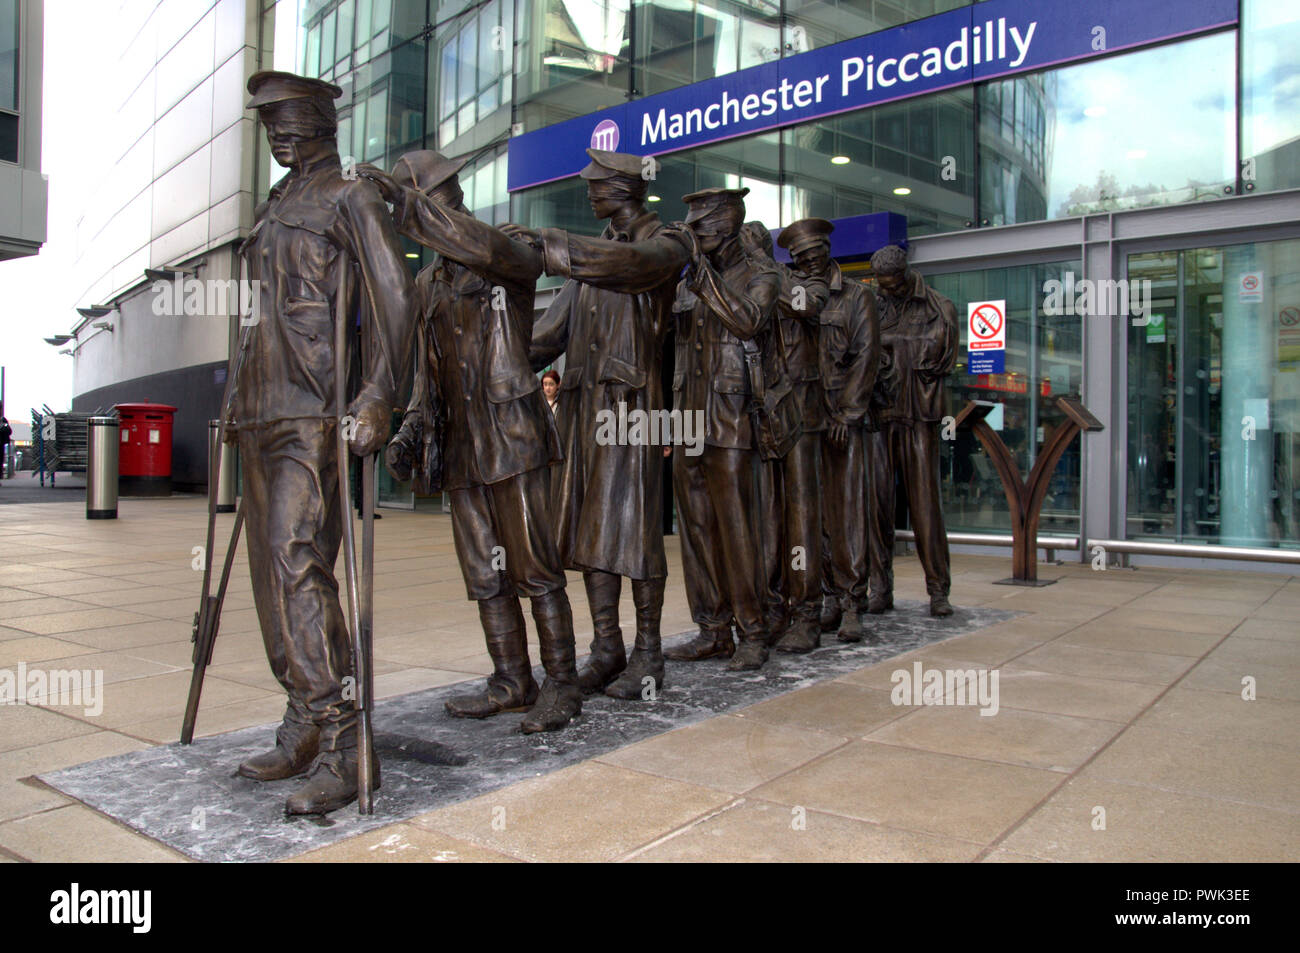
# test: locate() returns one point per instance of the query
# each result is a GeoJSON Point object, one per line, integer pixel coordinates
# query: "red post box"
{"type": "Point", "coordinates": [145, 460]}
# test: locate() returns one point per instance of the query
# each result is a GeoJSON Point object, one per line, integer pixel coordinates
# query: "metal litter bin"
{"type": "Point", "coordinates": [225, 487]}
{"type": "Point", "coordinates": [101, 469]}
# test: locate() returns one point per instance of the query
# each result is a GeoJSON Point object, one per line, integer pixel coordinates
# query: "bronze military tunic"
{"type": "Point", "coordinates": [314, 224]}
{"type": "Point", "coordinates": [918, 340]}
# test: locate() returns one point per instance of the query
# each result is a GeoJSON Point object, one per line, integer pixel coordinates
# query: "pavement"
{"type": "Point", "coordinates": [1142, 715]}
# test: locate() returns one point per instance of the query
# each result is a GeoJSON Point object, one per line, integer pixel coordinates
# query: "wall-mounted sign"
{"type": "Point", "coordinates": [968, 45]}
{"type": "Point", "coordinates": [986, 342]}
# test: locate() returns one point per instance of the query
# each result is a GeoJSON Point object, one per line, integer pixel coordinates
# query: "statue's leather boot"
{"type": "Point", "coordinates": [777, 621]}
{"type": "Point", "coordinates": [560, 698]}
{"type": "Point", "coordinates": [880, 602]}
{"type": "Point", "coordinates": [707, 643]}
{"type": "Point", "coordinates": [608, 657]}
{"type": "Point", "coordinates": [331, 784]}
{"type": "Point", "coordinates": [750, 654]}
{"type": "Point", "coordinates": [831, 613]}
{"type": "Point", "coordinates": [511, 686]}
{"type": "Point", "coordinates": [295, 747]}
{"type": "Point", "coordinates": [804, 633]}
{"type": "Point", "coordinates": [854, 626]}
{"type": "Point", "coordinates": [939, 605]}
{"type": "Point", "coordinates": [647, 660]}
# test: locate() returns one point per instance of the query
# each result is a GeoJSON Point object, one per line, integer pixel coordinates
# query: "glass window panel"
{"type": "Point", "coordinates": [580, 62]}
{"type": "Point", "coordinates": [1097, 147]}
{"type": "Point", "coordinates": [8, 137]}
{"type": "Point", "coordinates": [327, 42]}
{"type": "Point", "coordinates": [376, 124]}
{"type": "Point", "coordinates": [381, 17]}
{"type": "Point", "coordinates": [816, 23]}
{"type": "Point", "coordinates": [358, 127]}
{"type": "Point", "coordinates": [345, 136]}
{"type": "Point", "coordinates": [408, 20]}
{"type": "Point", "coordinates": [343, 32]}
{"type": "Point", "coordinates": [1214, 397]}
{"type": "Point", "coordinates": [468, 79]}
{"type": "Point", "coordinates": [465, 118]}
{"type": "Point", "coordinates": [447, 73]}
{"type": "Point", "coordinates": [1270, 94]}
{"type": "Point", "coordinates": [311, 58]}
{"type": "Point", "coordinates": [1044, 360]}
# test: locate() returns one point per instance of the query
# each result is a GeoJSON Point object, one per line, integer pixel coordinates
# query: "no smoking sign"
{"type": "Point", "coordinates": [987, 341]}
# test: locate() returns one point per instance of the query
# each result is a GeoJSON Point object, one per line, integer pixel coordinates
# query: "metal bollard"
{"type": "Point", "coordinates": [101, 468]}
{"type": "Point", "coordinates": [226, 469]}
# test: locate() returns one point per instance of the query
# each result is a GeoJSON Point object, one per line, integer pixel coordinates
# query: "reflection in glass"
{"type": "Point", "coordinates": [572, 58]}
{"type": "Point", "coordinates": [925, 146]}
{"type": "Point", "coordinates": [1214, 397]}
{"type": "Point", "coordinates": [1076, 140]}
{"type": "Point", "coordinates": [1044, 360]}
{"type": "Point", "coordinates": [1270, 94]}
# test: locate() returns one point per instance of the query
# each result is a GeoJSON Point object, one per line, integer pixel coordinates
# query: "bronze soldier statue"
{"type": "Point", "coordinates": [610, 319]}
{"type": "Point", "coordinates": [791, 491]}
{"type": "Point", "coordinates": [315, 228]}
{"type": "Point", "coordinates": [729, 297]}
{"type": "Point", "coordinates": [475, 303]}
{"type": "Point", "coordinates": [848, 353]}
{"type": "Point", "coordinates": [918, 342]}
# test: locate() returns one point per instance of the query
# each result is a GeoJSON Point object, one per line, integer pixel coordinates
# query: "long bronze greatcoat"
{"type": "Point", "coordinates": [918, 341]}
{"type": "Point", "coordinates": [610, 318]}
{"type": "Point", "coordinates": [498, 424]}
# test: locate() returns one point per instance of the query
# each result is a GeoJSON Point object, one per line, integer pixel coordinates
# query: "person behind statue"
{"type": "Point", "coordinates": [791, 504]}
{"type": "Point", "coordinates": [475, 302]}
{"type": "Point", "coordinates": [729, 296]}
{"type": "Point", "coordinates": [848, 353]}
{"type": "Point", "coordinates": [918, 342]}
{"type": "Point", "coordinates": [610, 319]}
{"type": "Point", "coordinates": [551, 391]}
{"type": "Point", "coordinates": [315, 225]}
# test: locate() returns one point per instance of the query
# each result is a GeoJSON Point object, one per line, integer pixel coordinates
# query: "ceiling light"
{"type": "Point", "coordinates": [902, 190]}
{"type": "Point", "coordinates": [839, 160]}
{"type": "Point", "coordinates": [652, 198]}
{"type": "Point", "coordinates": [412, 254]}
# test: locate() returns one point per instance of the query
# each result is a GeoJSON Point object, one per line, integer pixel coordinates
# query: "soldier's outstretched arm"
{"type": "Point", "coordinates": [628, 267]}
{"type": "Point", "coordinates": [803, 296]}
{"type": "Point", "coordinates": [551, 332]}
{"type": "Point", "coordinates": [485, 250]}
{"type": "Point", "coordinates": [388, 299]}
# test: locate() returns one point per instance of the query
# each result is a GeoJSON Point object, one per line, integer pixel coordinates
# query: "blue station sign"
{"type": "Point", "coordinates": [969, 45]}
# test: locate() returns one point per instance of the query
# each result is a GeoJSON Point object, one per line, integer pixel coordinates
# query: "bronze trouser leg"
{"type": "Point", "coordinates": [803, 526]}
{"type": "Point", "coordinates": [504, 537]}
{"type": "Point", "coordinates": [507, 644]}
{"type": "Point", "coordinates": [697, 525]}
{"type": "Point", "coordinates": [919, 443]}
{"type": "Point", "coordinates": [880, 509]}
{"type": "Point", "coordinates": [603, 592]}
{"type": "Point", "coordinates": [844, 515]}
{"type": "Point", "coordinates": [294, 531]}
{"type": "Point", "coordinates": [732, 480]}
{"type": "Point", "coordinates": [772, 504]}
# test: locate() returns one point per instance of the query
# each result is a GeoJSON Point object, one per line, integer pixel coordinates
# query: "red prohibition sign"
{"type": "Point", "coordinates": [1289, 317]}
{"type": "Point", "coordinates": [986, 321]}
{"type": "Point", "coordinates": [1249, 283]}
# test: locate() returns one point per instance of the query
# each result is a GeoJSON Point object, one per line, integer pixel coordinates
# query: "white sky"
{"type": "Point", "coordinates": [36, 294]}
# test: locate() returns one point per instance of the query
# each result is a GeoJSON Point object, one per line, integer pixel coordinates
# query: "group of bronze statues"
{"type": "Point", "coordinates": [811, 387]}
